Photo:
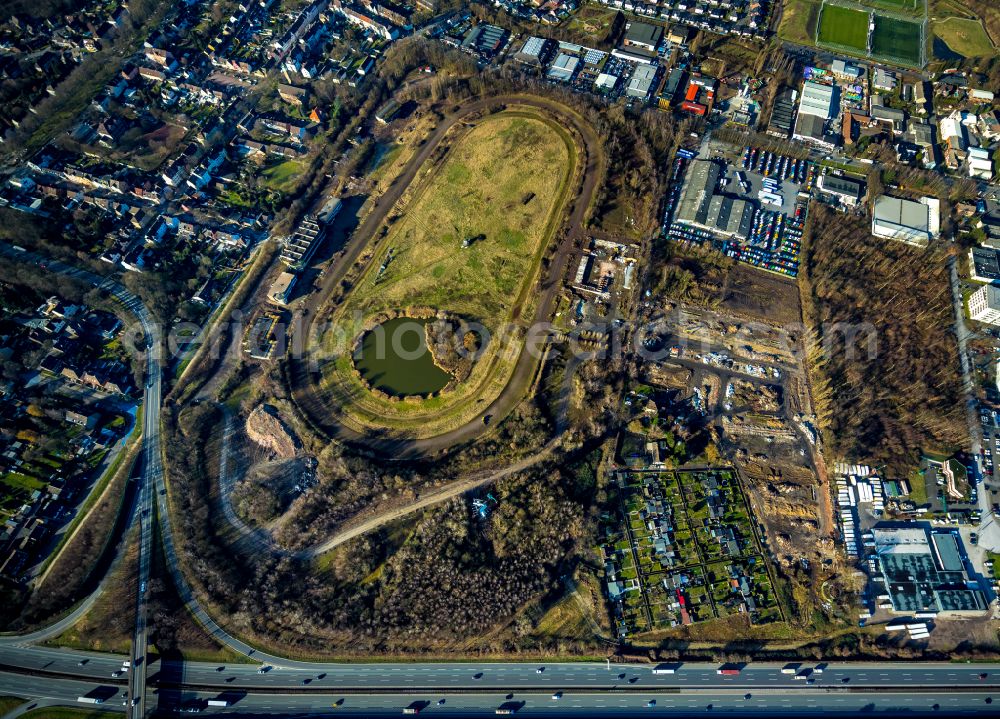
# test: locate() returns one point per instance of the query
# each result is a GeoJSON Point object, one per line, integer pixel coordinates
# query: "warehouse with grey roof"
{"type": "Point", "coordinates": [699, 206]}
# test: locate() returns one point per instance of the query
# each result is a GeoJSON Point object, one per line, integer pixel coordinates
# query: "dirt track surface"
{"type": "Point", "coordinates": [318, 408]}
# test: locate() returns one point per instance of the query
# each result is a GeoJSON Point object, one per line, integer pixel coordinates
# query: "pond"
{"type": "Point", "coordinates": [394, 358]}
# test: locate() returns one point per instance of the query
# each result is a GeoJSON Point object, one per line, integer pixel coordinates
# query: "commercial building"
{"type": "Point", "coordinates": [984, 264]}
{"type": "Point", "coordinates": [984, 305]}
{"type": "Point", "coordinates": [926, 571]}
{"type": "Point", "coordinates": [700, 207]}
{"type": "Point", "coordinates": [848, 191]}
{"type": "Point", "coordinates": [905, 220]}
{"type": "Point", "coordinates": [847, 70]}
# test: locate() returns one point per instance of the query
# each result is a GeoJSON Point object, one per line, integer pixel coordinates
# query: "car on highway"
{"type": "Point", "coordinates": [539, 670]}
{"type": "Point", "coordinates": [264, 670]}
{"type": "Point", "coordinates": [557, 695]}
{"type": "Point", "coordinates": [651, 703]}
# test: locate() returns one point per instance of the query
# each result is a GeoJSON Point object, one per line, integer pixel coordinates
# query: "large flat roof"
{"type": "Point", "coordinates": [896, 211]}
{"type": "Point", "coordinates": [926, 571]}
{"type": "Point", "coordinates": [644, 33]}
{"type": "Point", "coordinates": [817, 99]}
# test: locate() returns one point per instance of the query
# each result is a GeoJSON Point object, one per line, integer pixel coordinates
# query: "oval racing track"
{"type": "Point", "coordinates": [315, 405]}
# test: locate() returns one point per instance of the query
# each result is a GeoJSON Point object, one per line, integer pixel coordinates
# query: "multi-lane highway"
{"type": "Point", "coordinates": [480, 688]}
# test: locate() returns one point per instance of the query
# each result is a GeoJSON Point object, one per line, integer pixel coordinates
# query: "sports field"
{"type": "Point", "coordinates": [846, 27]}
{"type": "Point", "coordinates": [495, 193]}
{"type": "Point", "coordinates": [897, 39]}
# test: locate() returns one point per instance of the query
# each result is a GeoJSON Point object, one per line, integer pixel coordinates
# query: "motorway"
{"type": "Point", "coordinates": [477, 689]}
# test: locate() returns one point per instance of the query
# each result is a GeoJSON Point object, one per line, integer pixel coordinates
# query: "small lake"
{"type": "Point", "coordinates": [394, 358]}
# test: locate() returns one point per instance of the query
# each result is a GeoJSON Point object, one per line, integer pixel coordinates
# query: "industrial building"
{"type": "Point", "coordinates": [563, 68]}
{"type": "Point", "coordinates": [485, 40]}
{"type": "Point", "coordinates": [535, 51]}
{"type": "Point", "coordinates": [700, 207]}
{"type": "Point", "coordinates": [783, 114]}
{"type": "Point", "coordinates": [812, 128]}
{"type": "Point", "coordinates": [302, 245]}
{"type": "Point", "coordinates": [980, 163]}
{"type": "Point", "coordinates": [925, 571]}
{"type": "Point", "coordinates": [643, 35]}
{"type": "Point", "coordinates": [984, 305]}
{"type": "Point", "coordinates": [641, 82]}
{"type": "Point", "coordinates": [817, 100]}
{"type": "Point", "coordinates": [905, 220]}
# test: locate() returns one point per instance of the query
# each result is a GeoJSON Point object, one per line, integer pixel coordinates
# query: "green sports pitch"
{"type": "Point", "coordinates": [897, 39]}
{"type": "Point", "coordinates": [843, 27]}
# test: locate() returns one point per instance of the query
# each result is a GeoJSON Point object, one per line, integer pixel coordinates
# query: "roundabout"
{"type": "Point", "coordinates": [471, 247]}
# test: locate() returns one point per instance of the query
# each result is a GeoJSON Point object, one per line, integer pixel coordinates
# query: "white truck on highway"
{"type": "Point", "coordinates": [218, 702]}
{"type": "Point", "coordinates": [90, 700]}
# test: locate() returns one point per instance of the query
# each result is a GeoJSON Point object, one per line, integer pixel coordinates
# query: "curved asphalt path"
{"type": "Point", "coordinates": [317, 406]}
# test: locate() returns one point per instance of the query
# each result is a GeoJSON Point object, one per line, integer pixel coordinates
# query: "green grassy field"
{"type": "Point", "coordinates": [498, 187]}
{"type": "Point", "coordinates": [843, 26]}
{"type": "Point", "coordinates": [965, 36]}
{"type": "Point", "coordinates": [284, 176]}
{"type": "Point", "coordinates": [898, 39]}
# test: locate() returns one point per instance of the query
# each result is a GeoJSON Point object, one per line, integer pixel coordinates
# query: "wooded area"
{"type": "Point", "coordinates": [884, 360]}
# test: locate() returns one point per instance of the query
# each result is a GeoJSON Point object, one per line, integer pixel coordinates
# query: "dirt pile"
{"type": "Point", "coordinates": [265, 427]}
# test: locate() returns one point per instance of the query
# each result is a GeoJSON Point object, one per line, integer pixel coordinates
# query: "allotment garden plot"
{"type": "Point", "coordinates": [684, 549]}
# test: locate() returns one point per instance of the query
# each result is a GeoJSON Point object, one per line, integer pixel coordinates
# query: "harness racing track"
{"type": "Point", "coordinates": [321, 402]}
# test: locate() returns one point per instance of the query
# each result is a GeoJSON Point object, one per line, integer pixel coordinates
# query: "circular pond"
{"type": "Point", "coordinates": [394, 358]}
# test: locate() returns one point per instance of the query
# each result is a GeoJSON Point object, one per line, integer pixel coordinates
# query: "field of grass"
{"type": "Point", "coordinates": [798, 21]}
{"type": "Point", "coordinates": [284, 176]}
{"type": "Point", "coordinates": [591, 24]}
{"type": "Point", "coordinates": [844, 26]}
{"type": "Point", "coordinates": [498, 187]}
{"type": "Point", "coordinates": [899, 39]}
{"type": "Point", "coordinates": [964, 36]}
{"type": "Point", "coordinates": [8, 704]}
{"type": "Point", "coordinates": [68, 713]}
